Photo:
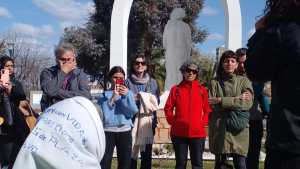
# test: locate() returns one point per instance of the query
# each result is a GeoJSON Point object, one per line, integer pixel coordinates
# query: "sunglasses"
{"type": "Point", "coordinates": [191, 71]}
{"type": "Point", "coordinates": [66, 59]}
{"type": "Point", "coordinates": [138, 63]}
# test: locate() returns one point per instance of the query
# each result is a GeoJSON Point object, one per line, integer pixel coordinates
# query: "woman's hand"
{"type": "Point", "coordinates": [214, 100]}
{"type": "Point", "coordinates": [123, 90]}
{"type": "Point", "coordinates": [7, 87]}
{"type": "Point", "coordinates": [246, 96]}
{"type": "Point", "coordinates": [24, 107]}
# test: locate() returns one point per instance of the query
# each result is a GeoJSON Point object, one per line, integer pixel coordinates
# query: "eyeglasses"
{"type": "Point", "coordinates": [138, 63]}
{"type": "Point", "coordinates": [191, 70]}
{"type": "Point", "coordinates": [66, 59]}
{"type": "Point", "coordinates": [9, 65]}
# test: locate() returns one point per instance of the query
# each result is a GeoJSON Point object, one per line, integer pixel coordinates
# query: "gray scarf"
{"type": "Point", "coordinates": [142, 80]}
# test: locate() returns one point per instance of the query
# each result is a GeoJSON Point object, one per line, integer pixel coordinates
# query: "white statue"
{"type": "Point", "coordinates": [177, 41]}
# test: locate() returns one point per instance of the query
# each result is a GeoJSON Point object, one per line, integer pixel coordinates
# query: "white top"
{"type": "Point", "coordinates": [68, 135]}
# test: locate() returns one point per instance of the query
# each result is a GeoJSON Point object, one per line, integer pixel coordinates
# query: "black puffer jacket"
{"type": "Point", "coordinates": [274, 55]}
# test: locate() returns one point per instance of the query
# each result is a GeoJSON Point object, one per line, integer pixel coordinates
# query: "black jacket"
{"type": "Point", "coordinates": [274, 55]}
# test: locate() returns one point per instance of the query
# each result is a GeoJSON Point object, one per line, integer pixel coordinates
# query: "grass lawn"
{"type": "Point", "coordinates": [170, 164]}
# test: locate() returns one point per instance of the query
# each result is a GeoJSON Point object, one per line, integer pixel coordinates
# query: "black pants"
{"type": "Point", "coordinates": [196, 147]}
{"type": "Point", "coordinates": [123, 142]}
{"type": "Point", "coordinates": [146, 159]}
{"type": "Point", "coordinates": [146, 156]}
{"type": "Point", "coordinates": [13, 139]}
{"type": "Point", "coordinates": [281, 160]}
{"type": "Point", "coordinates": [239, 161]}
{"type": "Point", "coordinates": [255, 136]}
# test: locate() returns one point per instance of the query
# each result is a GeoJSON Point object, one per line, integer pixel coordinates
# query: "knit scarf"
{"type": "Point", "coordinates": [139, 80]}
{"type": "Point", "coordinates": [142, 133]}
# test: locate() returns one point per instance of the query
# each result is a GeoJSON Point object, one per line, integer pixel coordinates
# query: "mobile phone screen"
{"type": "Point", "coordinates": [120, 81]}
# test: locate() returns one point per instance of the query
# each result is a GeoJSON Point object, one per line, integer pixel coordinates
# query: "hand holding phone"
{"type": "Point", "coordinates": [5, 76]}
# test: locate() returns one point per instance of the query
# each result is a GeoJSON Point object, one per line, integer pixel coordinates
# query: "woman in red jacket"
{"type": "Point", "coordinates": [189, 99]}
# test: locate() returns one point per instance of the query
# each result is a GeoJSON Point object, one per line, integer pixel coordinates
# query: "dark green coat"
{"type": "Point", "coordinates": [220, 140]}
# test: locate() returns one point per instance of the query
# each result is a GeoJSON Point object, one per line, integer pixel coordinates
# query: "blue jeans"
{"type": "Point", "coordinates": [123, 142]}
{"type": "Point", "coordinates": [196, 147]}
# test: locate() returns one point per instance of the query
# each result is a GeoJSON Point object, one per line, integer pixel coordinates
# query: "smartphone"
{"type": "Point", "coordinates": [5, 76]}
{"type": "Point", "coordinates": [120, 81]}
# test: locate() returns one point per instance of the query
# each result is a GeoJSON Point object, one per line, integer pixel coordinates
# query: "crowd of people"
{"type": "Point", "coordinates": [71, 133]}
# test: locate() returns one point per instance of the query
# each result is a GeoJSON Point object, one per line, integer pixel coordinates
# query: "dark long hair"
{"type": "Point", "coordinates": [225, 55]}
{"type": "Point", "coordinates": [282, 11]}
{"type": "Point", "coordinates": [113, 70]}
{"type": "Point", "coordinates": [3, 59]}
{"type": "Point", "coordinates": [132, 71]}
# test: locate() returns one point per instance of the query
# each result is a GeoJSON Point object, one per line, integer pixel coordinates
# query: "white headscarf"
{"type": "Point", "coordinates": [68, 135]}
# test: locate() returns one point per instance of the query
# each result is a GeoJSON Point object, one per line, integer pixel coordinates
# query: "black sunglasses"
{"type": "Point", "coordinates": [191, 70]}
{"type": "Point", "coordinates": [138, 63]}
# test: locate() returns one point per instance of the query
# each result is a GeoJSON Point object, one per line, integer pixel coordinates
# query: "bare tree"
{"type": "Point", "coordinates": [30, 58]}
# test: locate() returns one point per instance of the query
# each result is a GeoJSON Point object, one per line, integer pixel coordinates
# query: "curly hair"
{"type": "Point", "coordinates": [282, 10]}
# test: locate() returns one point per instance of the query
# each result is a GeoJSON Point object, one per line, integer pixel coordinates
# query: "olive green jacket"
{"type": "Point", "coordinates": [220, 140]}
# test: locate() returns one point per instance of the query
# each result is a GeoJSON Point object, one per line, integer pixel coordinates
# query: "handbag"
{"type": "Point", "coordinates": [31, 118]}
{"type": "Point", "coordinates": [236, 120]}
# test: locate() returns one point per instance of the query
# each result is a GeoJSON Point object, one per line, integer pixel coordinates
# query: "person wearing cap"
{"type": "Point", "coordinates": [187, 111]}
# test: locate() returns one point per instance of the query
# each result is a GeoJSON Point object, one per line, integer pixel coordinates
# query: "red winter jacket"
{"type": "Point", "coordinates": [190, 102]}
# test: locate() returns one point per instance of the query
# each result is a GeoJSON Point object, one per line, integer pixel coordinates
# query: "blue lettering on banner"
{"type": "Point", "coordinates": [67, 117]}
{"type": "Point", "coordinates": [58, 135]}
{"type": "Point", "coordinates": [30, 147]}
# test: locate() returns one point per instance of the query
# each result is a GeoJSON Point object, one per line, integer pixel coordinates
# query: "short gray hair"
{"type": "Point", "coordinates": [61, 48]}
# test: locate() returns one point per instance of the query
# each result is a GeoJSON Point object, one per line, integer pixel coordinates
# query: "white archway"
{"type": "Point", "coordinates": [119, 29]}
{"type": "Point", "coordinates": [233, 24]}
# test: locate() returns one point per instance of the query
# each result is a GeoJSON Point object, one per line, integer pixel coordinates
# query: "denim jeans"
{"type": "Point", "coordinates": [123, 142]}
{"type": "Point", "coordinates": [255, 136]}
{"type": "Point", "coordinates": [196, 147]}
{"type": "Point", "coordinates": [281, 160]}
{"type": "Point", "coordinates": [239, 161]}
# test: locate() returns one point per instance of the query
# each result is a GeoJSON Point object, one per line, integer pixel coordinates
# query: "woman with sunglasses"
{"type": "Point", "coordinates": [231, 98]}
{"type": "Point", "coordinates": [139, 80]}
{"type": "Point", "coordinates": [189, 100]}
{"type": "Point", "coordinates": [118, 107]}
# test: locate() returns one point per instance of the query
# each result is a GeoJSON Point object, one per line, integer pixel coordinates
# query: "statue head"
{"type": "Point", "coordinates": [177, 14]}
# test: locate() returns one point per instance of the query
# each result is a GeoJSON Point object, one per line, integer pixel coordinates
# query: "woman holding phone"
{"type": "Point", "coordinates": [118, 107]}
{"type": "Point", "coordinates": [231, 97]}
{"type": "Point", "coordinates": [13, 133]}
